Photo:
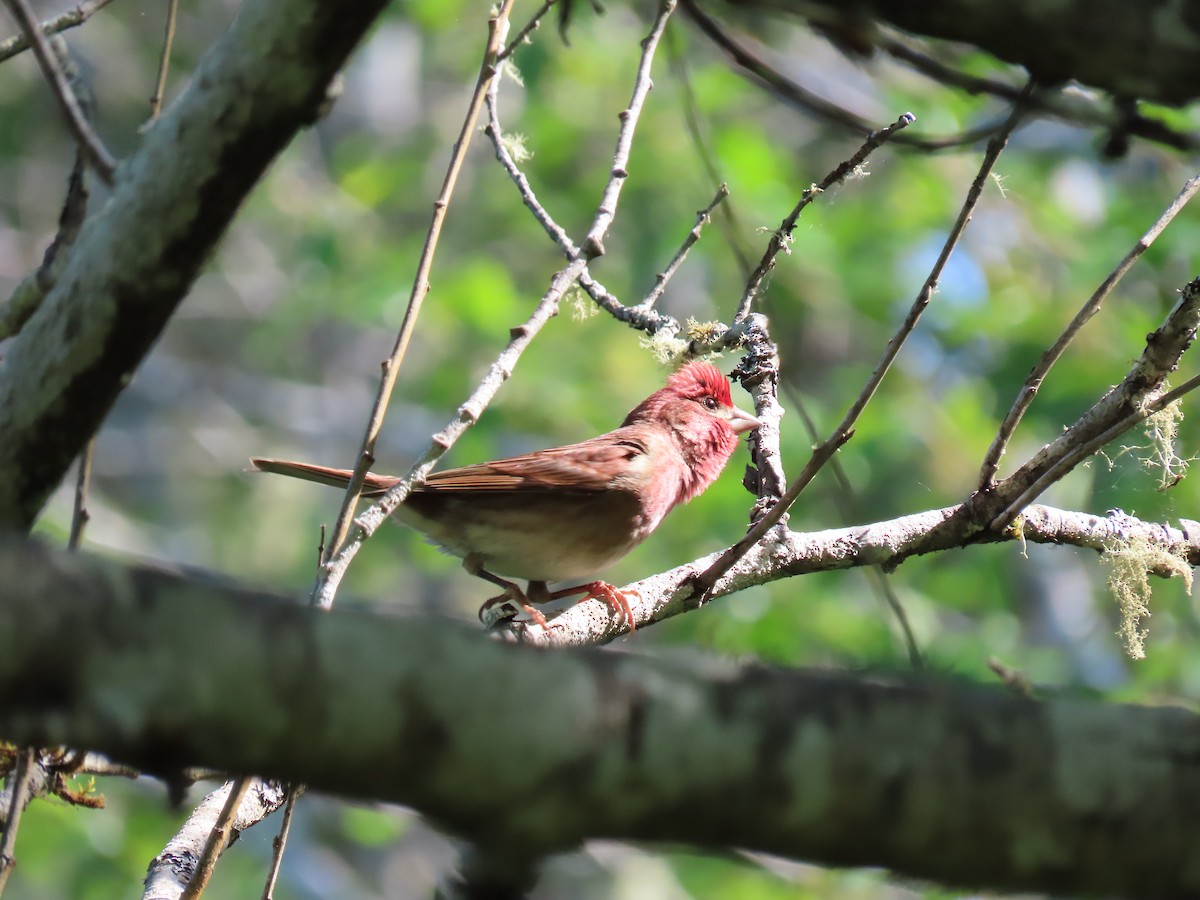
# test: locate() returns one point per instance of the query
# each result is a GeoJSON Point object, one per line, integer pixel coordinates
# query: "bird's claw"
{"type": "Point", "coordinates": [616, 599]}
{"type": "Point", "coordinates": [505, 607]}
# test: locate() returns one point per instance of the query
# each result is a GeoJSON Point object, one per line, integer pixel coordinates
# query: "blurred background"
{"type": "Point", "coordinates": [277, 351]}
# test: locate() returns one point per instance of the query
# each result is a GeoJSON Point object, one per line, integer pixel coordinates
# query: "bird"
{"type": "Point", "coordinates": [566, 513]}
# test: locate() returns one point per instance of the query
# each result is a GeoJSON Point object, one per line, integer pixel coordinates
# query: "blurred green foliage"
{"type": "Point", "coordinates": [276, 352]}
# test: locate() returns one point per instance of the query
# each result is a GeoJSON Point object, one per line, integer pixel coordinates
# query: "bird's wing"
{"type": "Point", "coordinates": [587, 466]}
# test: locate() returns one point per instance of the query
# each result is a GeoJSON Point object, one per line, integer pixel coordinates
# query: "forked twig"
{"type": "Point", "coordinates": [1118, 410]}
{"type": "Point", "coordinates": [1029, 389]}
{"type": "Point", "coordinates": [70, 19]}
{"type": "Point", "coordinates": [99, 157]}
{"type": "Point", "coordinates": [532, 25]}
{"type": "Point", "coordinates": [1086, 449]}
{"type": "Point", "coordinates": [649, 321]}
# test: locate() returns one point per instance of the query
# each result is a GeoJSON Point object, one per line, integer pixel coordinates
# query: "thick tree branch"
{"type": "Point", "coordinates": [1148, 50]}
{"type": "Point", "coordinates": [135, 260]}
{"type": "Point", "coordinates": [539, 751]}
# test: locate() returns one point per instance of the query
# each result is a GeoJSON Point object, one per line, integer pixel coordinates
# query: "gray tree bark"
{"type": "Point", "coordinates": [528, 752]}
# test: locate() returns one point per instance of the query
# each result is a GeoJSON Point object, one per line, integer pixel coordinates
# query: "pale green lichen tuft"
{"type": "Point", "coordinates": [509, 69]}
{"type": "Point", "coordinates": [664, 346]}
{"type": "Point", "coordinates": [1162, 428]}
{"type": "Point", "coordinates": [1131, 563]}
{"type": "Point", "coordinates": [703, 332]}
{"type": "Point", "coordinates": [581, 304]}
{"type": "Point", "coordinates": [515, 145]}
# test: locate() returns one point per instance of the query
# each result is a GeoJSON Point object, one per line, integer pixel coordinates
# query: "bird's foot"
{"type": "Point", "coordinates": [617, 599]}
{"type": "Point", "coordinates": [500, 609]}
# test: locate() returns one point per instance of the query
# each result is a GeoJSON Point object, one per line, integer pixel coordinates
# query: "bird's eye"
{"type": "Point", "coordinates": [711, 402]}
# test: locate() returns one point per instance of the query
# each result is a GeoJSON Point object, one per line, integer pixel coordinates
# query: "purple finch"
{"type": "Point", "coordinates": [567, 512]}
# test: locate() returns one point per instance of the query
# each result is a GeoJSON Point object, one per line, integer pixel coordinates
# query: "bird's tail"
{"type": "Point", "coordinates": [373, 484]}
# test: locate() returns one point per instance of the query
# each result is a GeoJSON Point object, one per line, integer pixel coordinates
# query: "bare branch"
{"type": "Point", "coordinates": [279, 842]}
{"type": "Point", "coordinates": [885, 544]}
{"type": "Point", "coordinates": [99, 157]}
{"type": "Point", "coordinates": [80, 515]}
{"type": "Point", "coordinates": [702, 218]}
{"type": "Point", "coordinates": [806, 100]}
{"type": "Point", "coordinates": [73, 17]}
{"type": "Point", "coordinates": [164, 63]}
{"type": "Point", "coordinates": [1030, 388]}
{"type": "Point", "coordinates": [783, 234]}
{"type": "Point", "coordinates": [521, 36]}
{"type": "Point", "coordinates": [133, 263]}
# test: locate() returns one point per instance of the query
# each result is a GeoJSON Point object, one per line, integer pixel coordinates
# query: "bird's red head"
{"type": "Point", "coordinates": [700, 379]}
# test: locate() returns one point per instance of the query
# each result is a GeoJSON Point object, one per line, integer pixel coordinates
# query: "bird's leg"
{"type": "Point", "coordinates": [512, 591]}
{"type": "Point", "coordinates": [617, 600]}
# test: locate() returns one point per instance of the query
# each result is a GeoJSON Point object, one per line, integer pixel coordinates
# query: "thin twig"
{"type": "Point", "coordinates": [217, 839]}
{"type": "Point", "coordinates": [22, 776]}
{"type": "Point", "coordinates": [843, 497]}
{"type": "Point", "coordinates": [642, 315]}
{"type": "Point", "coordinates": [530, 26]}
{"type": "Point", "coordinates": [703, 583]}
{"type": "Point", "coordinates": [164, 63]}
{"type": "Point", "coordinates": [593, 243]}
{"type": "Point", "coordinates": [100, 159]}
{"type": "Point", "coordinates": [649, 321]}
{"type": "Point", "coordinates": [279, 842]}
{"type": "Point", "coordinates": [366, 524]}
{"type": "Point", "coordinates": [70, 19]}
{"type": "Point", "coordinates": [80, 515]}
{"type": "Point", "coordinates": [1029, 389]}
{"type": "Point", "coordinates": [783, 234]}
{"type": "Point", "coordinates": [703, 217]}
{"type": "Point", "coordinates": [497, 28]}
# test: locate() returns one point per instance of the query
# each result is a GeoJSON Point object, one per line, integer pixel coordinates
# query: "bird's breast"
{"type": "Point", "coordinates": [533, 535]}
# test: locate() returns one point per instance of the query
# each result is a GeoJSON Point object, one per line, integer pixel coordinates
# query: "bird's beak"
{"type": "Point", "coordinates": [741, 421]}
